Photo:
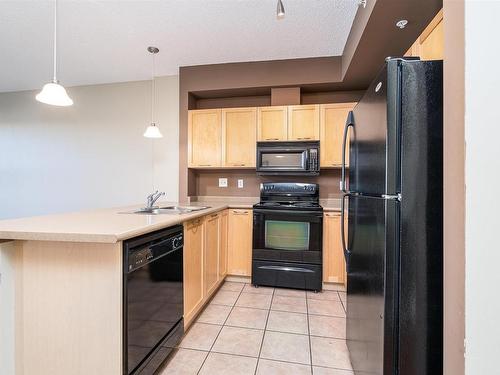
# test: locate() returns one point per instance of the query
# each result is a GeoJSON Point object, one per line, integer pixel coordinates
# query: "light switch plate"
{"type": "Point", "coordinates": [222, 182]}
{"type": "Point", "coordinates": [240, 183]}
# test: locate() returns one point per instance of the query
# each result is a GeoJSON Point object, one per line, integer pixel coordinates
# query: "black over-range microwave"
{"type": "Point", "coordinates": [288, 158]}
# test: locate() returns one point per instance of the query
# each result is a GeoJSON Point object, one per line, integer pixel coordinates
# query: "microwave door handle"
{"type": "Point", "coordinates": [348, 124]}
{"type": "Point", "coordinates": [346, 251]}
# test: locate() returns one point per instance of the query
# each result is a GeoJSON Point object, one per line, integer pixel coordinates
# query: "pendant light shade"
{"type": "Point", "coordinates": [280, 10]}
{"type": "Point", "coordinates": [152, 131]}
{"type": "Point", "coordinates": [53, 93]}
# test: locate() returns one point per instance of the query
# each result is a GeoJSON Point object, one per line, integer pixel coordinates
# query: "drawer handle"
{"type": "Point", "coordinates": [240, 212]}
{"type": "Point", "coordinates": [238, 165]}
{"type": "Point", "coordinates": [214, 215]}
{"type": "Point", "coordinates": [287, 269]}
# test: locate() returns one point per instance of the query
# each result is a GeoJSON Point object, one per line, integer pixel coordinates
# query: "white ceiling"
{"type": "Point", "coordinates": [105, 41]}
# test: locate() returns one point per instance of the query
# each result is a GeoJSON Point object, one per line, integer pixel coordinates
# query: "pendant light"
{"type": "Point", "coordinates": [152, 130]}
{"type": "Point", "coordinates": [53, 93]}
{"type": "Point", "coordinates": [280, 10]}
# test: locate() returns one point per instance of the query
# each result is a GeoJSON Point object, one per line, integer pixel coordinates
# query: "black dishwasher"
{"type": "Point", "coordinates": [153, 300]}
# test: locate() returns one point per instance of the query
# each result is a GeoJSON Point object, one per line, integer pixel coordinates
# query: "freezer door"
{"type": "Point", "coordinates": [372, 277]}
{"type": "Point", "coordinates": [374, 137]}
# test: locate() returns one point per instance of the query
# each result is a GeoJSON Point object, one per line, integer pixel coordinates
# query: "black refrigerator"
{"type": "Point", "coordinates": [394, 244]}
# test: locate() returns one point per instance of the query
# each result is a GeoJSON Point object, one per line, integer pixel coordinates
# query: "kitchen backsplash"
{"type": "Point", "coordinates": [207, 182]}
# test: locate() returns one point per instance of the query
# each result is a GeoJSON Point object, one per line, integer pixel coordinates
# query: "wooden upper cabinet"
{"type": "Point", "coordinates": [211, 252]}
{"type": "Point", "coordinates": [204, 133]}
{"type": "Point", "coordinates": [430, 44]}
{"type": "Point", "coordinates": [193, 268]}
{"type": "Point", "coordinates": [332, 122]}
{"type": "Point", "coordinates": [334, 270]}
{"type": "Point", "coordinates": [239, 137]}
{"type": "Point", "coordinates": [240, 226]}
{"type": "Point", "coordinates": [303, 122]}
{"type": "Point", "coordinates": [272, 123]}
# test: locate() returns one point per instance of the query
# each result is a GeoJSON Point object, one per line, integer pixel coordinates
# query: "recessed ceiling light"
{"type": "Point", "coordinates": [402, 24]}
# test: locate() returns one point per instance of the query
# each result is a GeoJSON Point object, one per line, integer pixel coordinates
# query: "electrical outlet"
{"type": "Point", "coordinates": [222, 182]}
{"type": "Point", "coordinates": [240, 183]}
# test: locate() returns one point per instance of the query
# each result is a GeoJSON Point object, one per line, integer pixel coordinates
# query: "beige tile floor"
{"type": "Point", "coordinates": [265, 331]}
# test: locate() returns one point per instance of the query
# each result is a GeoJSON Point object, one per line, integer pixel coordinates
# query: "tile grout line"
{"type": "Point", "coordinates": [225, 320]}
{"type": "Point", "coordinates": [309, 333]}
{"type": "Point", "coordinates": [264, 333]}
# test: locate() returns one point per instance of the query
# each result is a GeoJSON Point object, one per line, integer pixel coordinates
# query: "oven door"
{"type": "Point", "coordinates": [286, 235]}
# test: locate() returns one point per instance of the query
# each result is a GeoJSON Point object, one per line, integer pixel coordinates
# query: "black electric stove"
{"type": "Point", "coordinates": [288, 236]}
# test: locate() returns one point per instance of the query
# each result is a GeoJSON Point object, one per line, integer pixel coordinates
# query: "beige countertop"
{"type": "Point", "coordinates": [101, 226]}
{"type": "Point", "coordinates": [111, 225]}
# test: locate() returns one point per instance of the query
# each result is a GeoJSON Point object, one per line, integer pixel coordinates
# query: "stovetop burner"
{"type": "Point", "coordinates": [290, 196]}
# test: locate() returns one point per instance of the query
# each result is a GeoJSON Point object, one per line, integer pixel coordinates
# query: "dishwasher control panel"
{"type": "Point", "coordinates": [147, 248]}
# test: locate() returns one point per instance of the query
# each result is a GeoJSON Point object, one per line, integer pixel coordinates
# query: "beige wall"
{"type": "Point", "coordinates": [454, 188]}
{"type": "Point", "coordinates": [90, 155]}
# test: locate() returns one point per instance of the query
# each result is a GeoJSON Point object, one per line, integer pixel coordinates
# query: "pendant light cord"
{"type": "Point", "coordinates": [153, 87]}
{"type": "Point", "coordinates": [55, 42]}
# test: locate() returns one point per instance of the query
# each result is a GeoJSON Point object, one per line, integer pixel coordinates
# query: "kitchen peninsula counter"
{"type": "Point", "coordinates": [62, 287]}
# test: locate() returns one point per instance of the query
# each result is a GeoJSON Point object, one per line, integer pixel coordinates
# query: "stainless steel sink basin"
{"type": "Point", "coordinates": [185, 208]}
{"type": "Point", "coordinates": [167, 210]}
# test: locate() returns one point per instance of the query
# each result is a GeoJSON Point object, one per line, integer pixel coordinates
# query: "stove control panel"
{"type": "Point", "coordinates": [288, 188]}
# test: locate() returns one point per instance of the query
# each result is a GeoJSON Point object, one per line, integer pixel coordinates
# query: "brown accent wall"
{"type": "Point", "coordinates": [207, 182]}
{"type": "Point", "coordinates": [241, 78]}
{"type": "Point", "coordinates": [454, 187]}
{"type": "Point", "coordinates": [285, 96]}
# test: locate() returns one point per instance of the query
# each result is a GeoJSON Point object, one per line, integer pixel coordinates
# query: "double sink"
{"type": "Point", "coordinates": [168, 210]}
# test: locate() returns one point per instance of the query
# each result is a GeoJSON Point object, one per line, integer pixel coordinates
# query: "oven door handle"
{"type": "Point", "coordinates": [287, 269]}
{"type": "Point", "coordinates": [292, 213]}
{"type": "Point", "coordinates": [346, 251]}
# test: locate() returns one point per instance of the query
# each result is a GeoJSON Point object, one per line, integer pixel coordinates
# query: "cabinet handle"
{"type": "Point", "coordinates": [238, 165]}
{"type": "Point", "coordinates": [272, 139]}
{"type": "Point", "coordinates": [205, 165]}
{"type": "Point", "coordinates": [214, 215]}
{"type": "Point", "coordinates": [303, 138]}
{"type": "Point", "coordinates": [240, 212]}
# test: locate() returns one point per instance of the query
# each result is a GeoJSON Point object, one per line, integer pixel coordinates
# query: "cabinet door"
{"type": "Point", "coordinates": [303, 122]}
{"type": "Point", "coordinates": [333, 256]}
{"type": "Point", "coordinates": [432, 45]}
{"type": "Point", "coordinates": [332, 122]}
{"type": "Point", "coordinates": [204, 138]}
{"type": "Point", "coordinates": [239, 137]}
{"type": "Point", "coordinates": [240, 242]}
{"type": "Point", "coordinates": [272, 123]}
{"type": "Point", "coordinates": [211, 266]}
{"type": "Point", "coordinates": [193, 269]}
{"type": "Point", "coordinates": [223, 244]}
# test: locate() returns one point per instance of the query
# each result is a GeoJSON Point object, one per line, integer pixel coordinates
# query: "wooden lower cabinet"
{"type": "Point", "coordinates": [223, 244]}
{"type": "Point", "coordinates": [193, 268]}
{"type": "Point", "coordinates": [334, 270]}
{"type": "Point", "coordinates": [211, 252]}
{"type": "Point", "coordinates": [240, 224]}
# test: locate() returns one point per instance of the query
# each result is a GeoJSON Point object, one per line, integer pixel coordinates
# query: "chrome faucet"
{"type": "Point", "coordinates": [152, 198]}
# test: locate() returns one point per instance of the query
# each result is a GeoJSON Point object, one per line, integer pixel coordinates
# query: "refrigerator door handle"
{"type": "Point", "coordinates": [346, 251]}
{"type": "Point", "coordinates": [348, 124]}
